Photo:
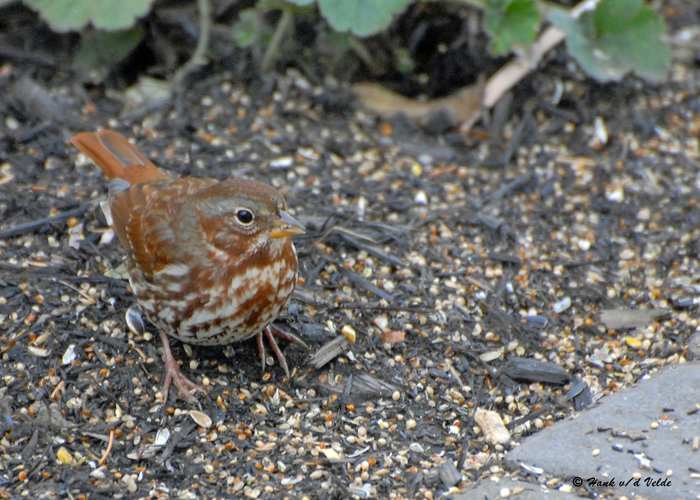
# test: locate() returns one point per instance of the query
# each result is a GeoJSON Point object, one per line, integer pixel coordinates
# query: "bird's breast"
{"type": "Point", "coordinates": [208, 305]}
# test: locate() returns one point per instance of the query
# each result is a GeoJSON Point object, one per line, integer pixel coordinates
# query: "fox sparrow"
{"type": "Point", "coordinates": [209, 262]}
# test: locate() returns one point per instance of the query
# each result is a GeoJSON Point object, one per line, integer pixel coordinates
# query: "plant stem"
{"type": "Point", "coordinates": [282, 26]}
{"type": "Point", "coordinates": [359, 48]}
{"type": "Point", "coordinates": [198, 56]}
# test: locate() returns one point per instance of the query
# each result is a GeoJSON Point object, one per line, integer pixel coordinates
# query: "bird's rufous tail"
{"type": "Point", "coordinates": [117, 157]}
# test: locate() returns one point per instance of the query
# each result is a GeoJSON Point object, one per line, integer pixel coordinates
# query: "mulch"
{"type": "Point", "coordinates": [468, 271]}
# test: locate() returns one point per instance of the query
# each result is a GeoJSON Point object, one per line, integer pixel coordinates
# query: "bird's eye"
{"type": "Point", "coordinates": [244, 216]}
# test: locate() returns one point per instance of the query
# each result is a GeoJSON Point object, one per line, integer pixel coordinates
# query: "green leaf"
{"type": "Point", "coordinates": [73, 15]}
{"type": "Point", "coordinates": [511, 23]}
{"type": "Point", "coordinates": [100, 50]}
{"type": "Point", "coordinates": [361, 17]}
{"type": "Point", "coordinates": [619, 36]}
{"type": "Point", "coordinates": [247, 30]}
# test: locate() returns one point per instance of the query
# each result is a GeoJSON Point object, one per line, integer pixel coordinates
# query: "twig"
{"type": "Point", "coordinates": [355, 279]}
{"type": "Point", "coordinates": [506, 77]}
{"type": "Point", "coordinates": [21, 57]}
{"type": "Point", "coordinates": [31, 226]}
{"type": "Point", "coordinates": [375, 252]}
{"type": "Point", "coordinates": [79, 291]}
{"type": "Point", "coordinates": [515, 140]}
{"type": "Point", "coordinates": [372, 307]}
{"type": "Point", "coordinates": [176, 440]}
{"type": "Point", "coordinates": [109, 449]}
{"type": "Point", "coordinates": [506, 189]}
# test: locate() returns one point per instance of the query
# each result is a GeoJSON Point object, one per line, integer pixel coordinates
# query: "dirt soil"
{"type": "Point", "coordinates": [468, 271]}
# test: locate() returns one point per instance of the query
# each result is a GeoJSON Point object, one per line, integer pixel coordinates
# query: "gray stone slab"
{"type": "Point", "coordinates": [487, 490]}
{"type": "Point", "coordinates": [670, 397]}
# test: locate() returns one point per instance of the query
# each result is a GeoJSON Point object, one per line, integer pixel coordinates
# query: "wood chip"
{"type": "Point", "coordinates": [492, 426]}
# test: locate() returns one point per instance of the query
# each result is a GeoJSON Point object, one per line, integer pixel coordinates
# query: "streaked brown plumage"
{"type": "Point", "coordinates": [209, 262]}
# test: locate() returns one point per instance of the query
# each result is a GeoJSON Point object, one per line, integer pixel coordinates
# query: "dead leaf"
{"type": "Point", "coordinates": [458, 109]}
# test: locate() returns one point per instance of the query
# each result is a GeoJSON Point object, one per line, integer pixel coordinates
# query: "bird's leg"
{"type": "Point", "coordinates": [172, 374]}
{"type": "Point", "coordinates": [270, 332]}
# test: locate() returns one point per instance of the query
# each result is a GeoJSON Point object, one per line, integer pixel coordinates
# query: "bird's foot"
{"type": "Point", "coordinates": [270, 332]}
{"type": "Point", "coordinates": [174, 376]}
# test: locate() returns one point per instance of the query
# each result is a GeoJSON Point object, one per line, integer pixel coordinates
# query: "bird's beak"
{"type": "Point", "coordinates": [286, 226]}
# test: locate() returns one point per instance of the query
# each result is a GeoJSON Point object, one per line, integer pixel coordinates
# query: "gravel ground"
{"type": "Point", "coordinates": [526, 269]}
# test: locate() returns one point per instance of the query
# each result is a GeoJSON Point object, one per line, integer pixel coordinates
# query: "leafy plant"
{"type": "Point", "coordinates": [114, 36]}
{"type": "Point", "coordinates": [511, 23]}
{"type": "Point", "coordinates": [619, 36]}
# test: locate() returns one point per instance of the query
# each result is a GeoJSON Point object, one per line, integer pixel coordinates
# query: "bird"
{"type": "Point", "coordinates": [209, 262]}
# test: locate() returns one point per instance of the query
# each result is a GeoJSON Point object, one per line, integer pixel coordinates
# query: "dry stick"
{"type": "Point", "coordinates": [22, 57]}
{"type": "Point", "coordinates": [108, 450]}
{"type": "Point", "coordinates": [31, 226]}
{"type": "Point", "coordinates": [80, 292]}
{"type": "Point", "coordinates": [506, 77]}
{"type": "Point", "coordinates": [373, 251]}
{"type": "Point", "coordinates": [358, 280]}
